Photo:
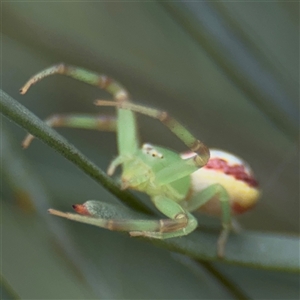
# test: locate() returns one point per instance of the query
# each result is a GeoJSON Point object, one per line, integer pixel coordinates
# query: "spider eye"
{"type": "Point", "coordinates": [150, 150]}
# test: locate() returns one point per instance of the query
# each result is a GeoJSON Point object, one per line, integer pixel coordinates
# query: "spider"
{"type": "Point", "coordinates": [212, 181]}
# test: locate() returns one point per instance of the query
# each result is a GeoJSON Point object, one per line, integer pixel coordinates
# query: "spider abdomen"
{"type": "Point", "coordinates": [234, 175]}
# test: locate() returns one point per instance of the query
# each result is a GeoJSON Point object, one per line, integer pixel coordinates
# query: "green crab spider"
{"type": "Point", "coordinates": [211, 181]}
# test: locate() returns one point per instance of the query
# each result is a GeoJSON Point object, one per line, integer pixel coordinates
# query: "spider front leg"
{"type": "Point", "coordinates": [180, 222]}
{"type": "Point", "coordinates": [83, 121]}
{"type": "Point", "coordinates": [179, 130]}
{"type": "Point", "coordinates": [94, 122]}
{"type": "Point", "coordinates": [219, 192]}
{"type": "Point", "coordinates": [99, 80]}
{"type": "Point", "coordinates": [128, 142]}
{"type": "Point", "coordinates": [172, 228]}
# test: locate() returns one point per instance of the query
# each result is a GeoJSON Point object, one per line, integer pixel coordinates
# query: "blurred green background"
{"type": "Point", "coordinates": [227, 70]}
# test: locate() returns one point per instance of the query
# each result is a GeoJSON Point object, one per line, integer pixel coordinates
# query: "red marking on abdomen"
{"type": "Point", "coordinates": [237, 171]}
{"type": "Point", "coordinates": [81, 209]}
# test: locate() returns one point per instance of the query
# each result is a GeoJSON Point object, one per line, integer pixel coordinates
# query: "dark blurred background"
{"type": "Point", "coordinates": [227, 70]}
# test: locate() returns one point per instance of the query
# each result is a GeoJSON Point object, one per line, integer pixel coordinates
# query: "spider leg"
{"type": "Point", "coordinates": [175, 171]}
{"type": "Point", "coordinates": [102, 81]}
{"type": "Point", "coordinates": [126, 124]}
{"type": "Point", "coordinates": [179, 130]}
{"type": "Point", "coordinates": [176, 214]}
{"type": "Point", "coordinates": [85, 121]}
{"type": "Point", "coordinates": [198, 200]}
{"type": "Point", "coordinates": [179, 223]}
{"type": "Point", "coordinates": [118, 225]}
